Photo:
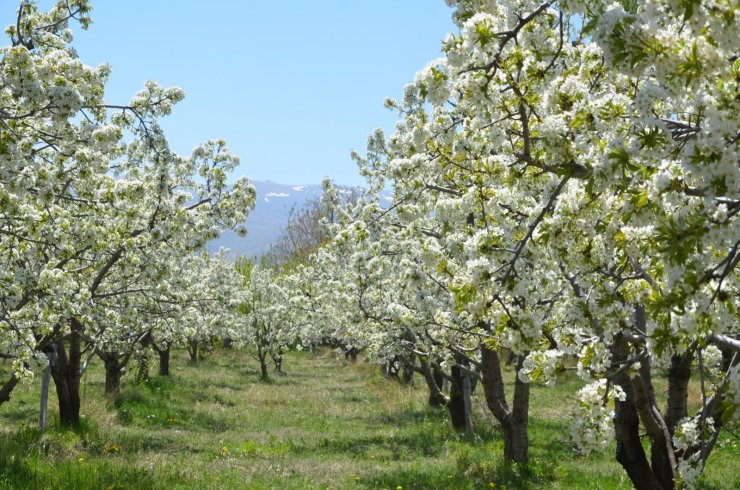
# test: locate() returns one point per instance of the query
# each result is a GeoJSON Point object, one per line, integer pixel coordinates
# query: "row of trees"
{"type": "Point", "coordinates": [99, 219]}
{"type": "Point", "coordinates": [566, 185]}
{"type": "Point", "coordinates": [102, 225]}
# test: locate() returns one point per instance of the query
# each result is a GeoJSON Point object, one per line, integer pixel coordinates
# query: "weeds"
{"type": "Point", "coordinates": [326, 424]}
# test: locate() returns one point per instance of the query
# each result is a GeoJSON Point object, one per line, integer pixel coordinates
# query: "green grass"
{"type": "Point", "coordinates": [324, 424]}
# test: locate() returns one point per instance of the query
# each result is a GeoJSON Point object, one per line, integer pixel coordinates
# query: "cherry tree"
{"type": "Point", "coordinates": [265, 323]}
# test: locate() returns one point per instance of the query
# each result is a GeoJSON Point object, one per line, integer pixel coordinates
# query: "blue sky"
{"type": "Point", "coordinates": [293, 86]}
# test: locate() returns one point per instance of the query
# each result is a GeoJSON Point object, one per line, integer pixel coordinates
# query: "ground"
{"type": "Point", "coordinates": [324, 423]}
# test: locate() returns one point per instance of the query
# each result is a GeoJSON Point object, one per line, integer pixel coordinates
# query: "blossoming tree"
{"type": "Point", "coordinates": [265, 322]}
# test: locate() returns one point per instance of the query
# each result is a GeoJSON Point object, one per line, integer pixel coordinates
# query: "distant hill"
{"type": "Point", "coordinates": [267, 219]}
{"type": "Point", "coordinates": [270, 216]}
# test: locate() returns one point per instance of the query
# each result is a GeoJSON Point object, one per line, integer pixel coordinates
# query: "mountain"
{"type": "Point", "coordinates": [270, 215]}
{"type": "Point", "coordinates": [268, 218]}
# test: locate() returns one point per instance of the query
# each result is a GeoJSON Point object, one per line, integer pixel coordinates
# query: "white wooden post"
{"type": "Point", "coordinates": [52, 358]}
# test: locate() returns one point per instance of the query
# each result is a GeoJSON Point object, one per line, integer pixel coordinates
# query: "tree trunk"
{"type": "Point", "coordinates": [142, 374]}
{"type": "Point", "coordinates": [679, 374]}
{"type": "Point", "coordinates": [113, 364]}
{"type": "Point", "coordinates": [407, 370]}
{"type": "Point", "coordinates": [262, 357]}
{"type": "Point", "coordinates": [164, 361]}
{"type": "Point", "coordinates": [467, 391]}
{"type": "Point", "coordinates": [142, 358]}
{"type": "Point", "coordinates": [662, 452]}
{"type": "Point", "coordinates": [278, 361]}
{"type": "Point", "coordinates": [434, 381]}
{"type": "Point", "coordinates": [351, 355]}
{"type": "Point", "coordinates": [51, 357]}
{"type": "Point", "coordinates": [514, 422]}
{"type": "Point", "coordinates": [519, 447]}
{"type": "Point", "coordinates": [193, 351]}
{"type": "Point", "coordinates": [459, 402]}
{"type": "Point", "coordinates": [66, 375]}
{"type": "Point", "coordinates": [516, 442]}
{"type": "Point", "coordinates": [7, 388]}
{"type": "Point", "coordinates": [630, 453]}
{"type": "Point", "coordinates": [441, 379]}
{"type": "Point", "coordinates": [112, 375]}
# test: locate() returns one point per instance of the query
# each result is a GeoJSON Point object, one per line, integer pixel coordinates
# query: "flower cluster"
{"type": "Point", "coordinates": [591, 420]}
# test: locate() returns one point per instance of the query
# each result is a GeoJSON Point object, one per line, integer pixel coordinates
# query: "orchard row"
{"type": "Point", "coordinates": [565, 188]}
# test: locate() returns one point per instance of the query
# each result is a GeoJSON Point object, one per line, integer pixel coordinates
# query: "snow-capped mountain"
{"type": "Point", "coordinates": [270, 216]}
{"type": "Point", "coordinates": [267, 219]}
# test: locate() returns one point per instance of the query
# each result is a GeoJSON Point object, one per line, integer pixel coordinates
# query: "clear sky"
{"type": "Point", "coordinates": [293, 85]}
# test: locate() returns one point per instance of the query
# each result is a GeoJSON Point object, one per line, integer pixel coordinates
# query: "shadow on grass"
{"type": "Point", "coordinates": [702, 485]}
{"type": "Point", "coordinates": [162, 408]}
{"type": "Point", "coordinates": [410, 417]}
{"type": "Point", "coordinates": [134, 442]}
{"type": "Point", "coordinates": [30, 460]}
{"type": "Point", "coordinates": [394, 447]}
{"type": "Point", "coordinates": [23, 411]}
{"type": "Point", "coordinates": [355, 396]}
{"type": "Point", "coordinates": [480, 470]}
{"type": "Point", "coordinates": [233, 386]}
{"type": "Point", "coordinates": [419, 478]}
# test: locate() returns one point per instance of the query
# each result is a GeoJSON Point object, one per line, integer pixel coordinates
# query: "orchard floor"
{"type": "Point", "coordinates": [323, 424]}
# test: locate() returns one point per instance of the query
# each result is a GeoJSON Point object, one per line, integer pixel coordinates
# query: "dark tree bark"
{"type": "Point", "coordinates": [7, 388]}
{"type": "Point", "coordinates": [407, 370]}
{"type": "Point", "coordinates": [518, 450]}
{"type": "Point", "coordinates": [114, 364]}
{"type": "Point", "coordinates": [112, 377]}
{"type": "Point", "coordinates": [164, 361]}
{"type": "Point", "coordinates": [163, 352]}
{"type": "Point", "coordinates": [142, 358]}
{"type": "Point", "coordinates": [459, 405]}
{"type": "Point", "coordinates": [66, 374]}
{"type": "Point", "coordinates": [193, 351]}
{"type": "Point", "coordinates": [434, 380]}
{"type": "Point", "coordinates": [277, 360]}
{"type": "Point", "coordinates": [630, 452]}
{"type": "Point", "coordinates": [262, 358]}
{"type": "Point", "coordinates": [679, 374]}
{"type": "Point", "coordinates": [351, 355]}
{"type": "Point", "coordinates": [439, 377]}
{"type": "Point", "coordinates": [514, 422]}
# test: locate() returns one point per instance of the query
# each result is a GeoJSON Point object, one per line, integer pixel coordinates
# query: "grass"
{"type": "Point", "coordinates": [324, 424]}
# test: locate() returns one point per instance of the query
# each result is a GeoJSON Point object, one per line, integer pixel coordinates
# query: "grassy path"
{"type": "Point", "coordinates": [323, 424]}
